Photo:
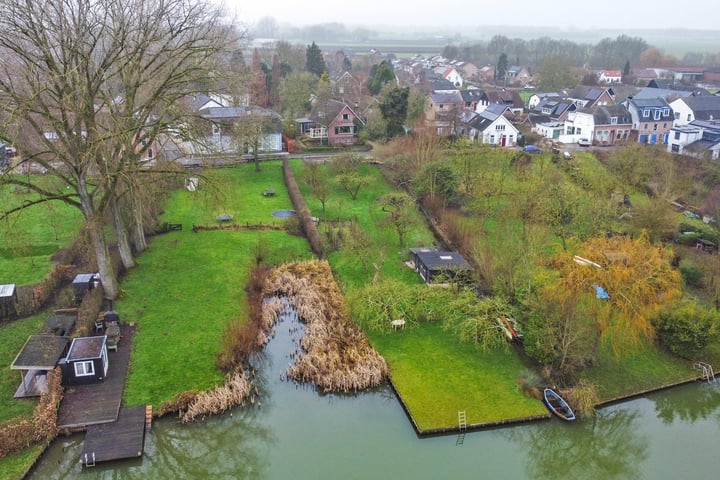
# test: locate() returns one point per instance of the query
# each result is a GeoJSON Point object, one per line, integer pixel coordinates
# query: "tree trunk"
{"type": "Point", "coordinates": [121, 232]}
{"type": "Point", "coordinates": [138, 230]}
{"type": "Point", "coordinates": [105, 269]}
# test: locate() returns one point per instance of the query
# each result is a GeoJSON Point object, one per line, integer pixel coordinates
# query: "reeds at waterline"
{"type": "Point", "coordinates": [336, 355]}
{"type": "Point", "coordinates": [236, 390]}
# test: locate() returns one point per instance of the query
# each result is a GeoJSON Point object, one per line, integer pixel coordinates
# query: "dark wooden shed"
{"type": "Point", "coordinates": [86, 361]}
{"type": "Point", "coordinates": [433, 264]}
{"type": "Point", "coordinates": [8, 301]}
{"type": "Point", "coordinates": [39, 355]}
{"type": "Point", "coordinates": [83, 283]}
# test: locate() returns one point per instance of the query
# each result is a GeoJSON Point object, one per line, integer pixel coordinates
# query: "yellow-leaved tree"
{"type": "Point", "coordinates": [637, 277]}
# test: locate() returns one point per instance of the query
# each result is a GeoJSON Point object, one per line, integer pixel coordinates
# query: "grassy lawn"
{"type": "Point", "coordinates": [644, 368]}
{"type": "Point", "coordinates": [15, 466]}
{"type": "Point", "coordinates": [189, 285]}
{"type": "Point", "coordinates": [437, 377]}
{"type": "Point", "coordinates": [434, 372]}
{"type": "Point", "coordinates": [30, 237]}
{"type": "Point", "coordinates": [12, 338]}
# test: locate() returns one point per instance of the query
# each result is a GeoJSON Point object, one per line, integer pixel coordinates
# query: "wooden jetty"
{"type": "Point", "coordinates": [118, 440]}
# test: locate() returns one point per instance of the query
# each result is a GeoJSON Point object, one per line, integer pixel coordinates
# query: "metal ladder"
{"type": "Point", "coordinates": [707, 371]}
{"type": "Point", "coordinates": [88, 463]}
{"type": "Point", "coordinates": [462, 425]}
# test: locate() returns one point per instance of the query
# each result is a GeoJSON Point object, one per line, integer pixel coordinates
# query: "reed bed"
{"type": "Point", "coordinates": [336, 356]}
{"type": "Point", "coordinates": [236, 390]}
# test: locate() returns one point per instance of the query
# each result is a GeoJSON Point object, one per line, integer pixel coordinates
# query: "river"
{"type": "Point", "coordinates": [293, 432]}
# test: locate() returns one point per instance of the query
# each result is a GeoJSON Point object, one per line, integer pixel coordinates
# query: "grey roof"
{"type": "Point", "coordinates": [40, 352]}
{"type": "Point", "coordinates": [497, 109]}
{"type": "Point", "coordinates": [472, 95]}
{"type": "Point", "coordinates": [437, 260]}
{"type": "Point", "coordinates": [83, 348]}
{"type": "Point", "coordinates": [603, 115]}
{"type": "Point", "coordinates": [445, 98]}
{"type": "Point", "coordinates": [705, 107]}
{"type": "Point", "coordinates": [227, 113]}
{"type": "Point", "coordinates": [589, 93]}
{"type": "Point", "coordinates": [556, 105]}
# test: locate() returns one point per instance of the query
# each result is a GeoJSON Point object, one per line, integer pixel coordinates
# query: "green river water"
{"type": "Point", "coordinates": [296, 433]}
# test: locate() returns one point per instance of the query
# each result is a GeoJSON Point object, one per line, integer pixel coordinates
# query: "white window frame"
{"type": "Point", "coordinates": [657, 114]}
{"type": "Point", "coordinates": [646, 112]}
{"type": "Point", "coordinates": [84, 369]}
{"type": "Point", "coordinates": [613, 120]}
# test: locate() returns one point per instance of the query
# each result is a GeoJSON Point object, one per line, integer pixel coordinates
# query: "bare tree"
{"type": "Point", "coordinates": [91, 84]}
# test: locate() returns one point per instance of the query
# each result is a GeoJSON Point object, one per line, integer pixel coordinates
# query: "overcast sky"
{"type": "Point", "coordinates": [698, 14]}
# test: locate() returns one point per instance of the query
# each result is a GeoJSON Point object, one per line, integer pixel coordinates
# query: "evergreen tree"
{"type": "Point", "coordinates": [501, 68]}
{"type": "Point", "coordinates": [381, 75]}
{"type": "Point", "coordinates": [393, 108]}
{"type": "Point", "coordinates": [626, 69]}
{"type": "Point", "coordinates": [315, 62]}
{"type": "Point", "coordinates": [275, 77]}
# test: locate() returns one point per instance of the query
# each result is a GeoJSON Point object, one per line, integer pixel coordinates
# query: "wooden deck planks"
{"type": "Point", "coordinates": [124, 438]}
{"type": "Point", "coordinates": [85, 405]}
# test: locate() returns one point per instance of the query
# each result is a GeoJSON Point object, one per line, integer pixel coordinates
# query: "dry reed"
{"type": "Point", "coordinates": [235, 391]}
{"type": "Point", "coordinates": [336, 355]}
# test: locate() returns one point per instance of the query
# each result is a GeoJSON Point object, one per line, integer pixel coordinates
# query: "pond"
{"type": "Point", "coordinates": [295, 432]}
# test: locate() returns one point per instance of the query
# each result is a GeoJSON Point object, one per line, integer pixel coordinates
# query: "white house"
{"type": "Point", "coordinates": [698, 139]}
{"type": "Point", "coordinates": [450, 74]}
{"type": "Point", "coordinates": [695, 107]}
{"type": "Point", "coordinates": [489, 127]}
{"type": "Point", "coordinates": [579, 124]}
{"type": "Point", "coordinates": [610, 76]}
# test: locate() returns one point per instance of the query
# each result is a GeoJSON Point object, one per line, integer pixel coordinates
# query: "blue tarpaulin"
{"type": "Point", "coordinates": [600, 292]}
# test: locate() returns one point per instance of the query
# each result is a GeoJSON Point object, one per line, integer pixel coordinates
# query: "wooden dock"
{"type": "Point", "coordinates": [85, 405]}
{"type": "Point", "coordinates": [118, 440]}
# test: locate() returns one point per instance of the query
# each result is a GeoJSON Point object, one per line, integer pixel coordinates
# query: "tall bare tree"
{"type": "Point", "coordinates": [91, 84]}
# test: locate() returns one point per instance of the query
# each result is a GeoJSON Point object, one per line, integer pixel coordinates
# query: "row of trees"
{"type": "Point", "coordinates": [86, 88]}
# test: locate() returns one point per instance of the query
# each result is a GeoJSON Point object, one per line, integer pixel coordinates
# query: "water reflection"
{"type": "Point", "coordinates": [292, 431]}
{"type": "Point", "coordinates": [607, 446]}
{"type": "Point", "coordinates": [696, 404]}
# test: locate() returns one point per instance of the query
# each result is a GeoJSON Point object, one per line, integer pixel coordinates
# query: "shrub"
{"type": "Point", "coordinates": [686, 330]}
{"type": "Point", "coordinates": [692, 276]}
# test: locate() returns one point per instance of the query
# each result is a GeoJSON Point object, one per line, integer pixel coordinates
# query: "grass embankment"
{"type": "Point", "coordinates": [189, 286]}
{"type": "Point", "coordinates": [433, 372]}
{"type": "Point", "coordinates": [12, 338]}
{"type": "Point", "coordinates": [30, 237]}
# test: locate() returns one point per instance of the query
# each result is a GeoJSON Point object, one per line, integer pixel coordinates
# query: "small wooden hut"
{"type": "Point", "coordinates": [86, 361]}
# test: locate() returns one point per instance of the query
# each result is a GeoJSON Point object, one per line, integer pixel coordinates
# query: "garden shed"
{"type": "Point", "coordinates": [8, 300]}
{"type": "Point", "coordinates": [38, 356]}
{"type": "Point", "coordinates": [86, 361]}
{"type": "Point", "coordinates": [82, 284]}
{"type": "Point", "coordinates": [432, 263]}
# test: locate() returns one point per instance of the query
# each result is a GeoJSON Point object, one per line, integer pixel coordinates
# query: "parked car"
{"type": "Point", "coordinates": [532, 149]}
{"type": "Point", "coordinates": [584, 142]}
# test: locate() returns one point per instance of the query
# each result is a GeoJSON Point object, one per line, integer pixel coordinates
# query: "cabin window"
{"type": "Point", "coordinates": [689, 117]}
{"type": "Point", "coordinates": [666, 112]}
{"type": "Point", "coordinates": [150, 153]}
{"type": "Point", "coordinates": [346, 116]}
{"type": "Point", "coordinates": [657, 114]}
{"type": "Point", "coordinates": [500, 127]}
{"type": "Point", "coordinates": [646, 112]}
{"type": "Point", "coordinates": [613, 120]}
{"type": "Point", "coordinates": [84, 369]}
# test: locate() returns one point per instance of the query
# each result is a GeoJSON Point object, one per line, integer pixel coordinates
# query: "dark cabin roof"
{"type": "Point", "coordinates": [85, 348]}
{"type": "Point", "coordinates": [40, 352]}
{"type": "Point", "coordinates": [436, 260]}
{"type": "Point", "coordinates": [472, 95]}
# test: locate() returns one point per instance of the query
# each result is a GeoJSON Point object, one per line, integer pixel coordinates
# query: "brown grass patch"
{"type": "Point", "coordinates": [336, 355]}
